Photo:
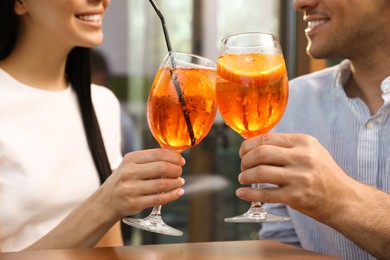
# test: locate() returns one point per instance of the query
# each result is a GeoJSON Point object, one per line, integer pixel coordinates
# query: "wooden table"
{"type": "Point", "coordinates": [253, 249]}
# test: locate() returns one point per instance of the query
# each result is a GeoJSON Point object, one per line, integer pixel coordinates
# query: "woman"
{"type": "Point", "coordinates": [53, 153]}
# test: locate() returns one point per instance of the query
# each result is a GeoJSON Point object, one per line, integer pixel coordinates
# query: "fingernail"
{"type": "Point", "coordinates": [239, 193]}
{"type": "Point", "coordinates": [183, 161]}
{"type": "Point", "coordinates": [181, 192]}
{"type": "Point", "coordinates": [239, 179]}
{"type": "Point", "coordinates": [183, 181]}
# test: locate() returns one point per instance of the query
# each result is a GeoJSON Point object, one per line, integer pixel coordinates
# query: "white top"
{"type": "Point", "coordinates": [46, 168]}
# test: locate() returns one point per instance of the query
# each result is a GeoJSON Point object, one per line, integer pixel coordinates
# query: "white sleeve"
{"type": "Point", "coordinates": [108, 112]}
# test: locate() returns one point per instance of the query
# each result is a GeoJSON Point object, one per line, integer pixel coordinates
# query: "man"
{"type": "Point", "coordinates": [333, 178]}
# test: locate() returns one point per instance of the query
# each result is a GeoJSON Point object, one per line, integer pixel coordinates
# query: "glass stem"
{"type": "Point", "coordinates": [156, 212]}
{"type": "Point", "coordinates": [256, 204]}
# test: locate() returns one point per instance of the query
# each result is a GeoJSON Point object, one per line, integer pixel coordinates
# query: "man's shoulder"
{"type": "Point", "coordinates": [327, 74]}
{"type": "Point", "coordinates": [315, 82]}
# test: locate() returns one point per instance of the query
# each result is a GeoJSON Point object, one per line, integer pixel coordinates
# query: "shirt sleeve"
{"type": "Point", "coordinates": [128, 131]}
{"type": "Point", "coordinates": [283, 231]}
{"type": "Point", "coordinates": [108, 112]}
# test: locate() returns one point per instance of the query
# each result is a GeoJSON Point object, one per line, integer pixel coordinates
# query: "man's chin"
{"type": "Point", "coordinates": [312, 53]}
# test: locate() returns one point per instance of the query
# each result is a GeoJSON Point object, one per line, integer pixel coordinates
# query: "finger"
{"type": "Point", "coordinates": [151, 170]}
{"type": "Point", "coordinates": [264, 174]}
{"type": "Point", "coordinates": [152, 200]}
{"type": "Point", "coordinates": [161, 185]}
{"type": "Point", "coordinates": [275, 139]}
{"type": "Point", "coordinates": [265, 195]}
{"type": "Point", "coordinates": [265, 155]}
{"type": "Point", "coordinates": [152, 155]}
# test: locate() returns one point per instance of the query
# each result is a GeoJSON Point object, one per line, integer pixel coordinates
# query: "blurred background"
{"type": "Point", "coordinates": [127, 61]}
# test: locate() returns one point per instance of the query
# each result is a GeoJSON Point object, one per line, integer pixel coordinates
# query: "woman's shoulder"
{"type": "Point", "coordinates": [101, 92]}
{"type": "Point", "coordinates": [104, 99]}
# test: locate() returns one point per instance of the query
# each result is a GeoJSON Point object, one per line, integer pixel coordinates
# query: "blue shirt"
{"type": "Point", "coordinates": [358, 141]}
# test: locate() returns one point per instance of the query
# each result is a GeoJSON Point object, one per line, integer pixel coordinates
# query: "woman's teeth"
{"type": "Point", "coordinates": [90, 18]}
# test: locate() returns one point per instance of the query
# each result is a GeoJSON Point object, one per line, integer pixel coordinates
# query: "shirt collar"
{"type": "Point", "coordinates": [385, 86]}
{"type": "Point", "coordinates": [344, 73]}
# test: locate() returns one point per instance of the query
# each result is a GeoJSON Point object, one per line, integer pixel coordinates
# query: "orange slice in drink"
{"type": "Point", "coordinates": [251, 69]}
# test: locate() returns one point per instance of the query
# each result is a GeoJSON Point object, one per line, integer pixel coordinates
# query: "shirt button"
{"type": "Point", "coordinates": [370, 125]}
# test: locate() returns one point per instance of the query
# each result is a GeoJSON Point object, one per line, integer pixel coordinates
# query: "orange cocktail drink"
{"type": "Point", "coordinates": [169, 118]}
{"type": "Point", "coordinates": [252, 91]}
{"type": "Point", "coordinates": [180, 112]}
{"type": "Point", "coordinates": [252, 94]}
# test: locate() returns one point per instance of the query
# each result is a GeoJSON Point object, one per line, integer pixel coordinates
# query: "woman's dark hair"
{"type": "Point", "coordinates": [8, 27]}
{"type": "Point", "coordinates": [78, 72]}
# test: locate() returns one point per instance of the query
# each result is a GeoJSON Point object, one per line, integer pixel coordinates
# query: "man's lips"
{"type": "Point", "coordinates": [314, 20]}
{"type": "Point", "coordinates": [313, 24]}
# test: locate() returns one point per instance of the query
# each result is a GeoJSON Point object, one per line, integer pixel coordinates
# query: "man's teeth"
{"type": "Point", "coordinates": [312, 24]}
{"type": "Point", "coordinates": [90, 18]}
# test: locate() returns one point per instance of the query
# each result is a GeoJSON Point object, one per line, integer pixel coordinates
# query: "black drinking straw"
{"type": "Point", "coordinates": [174, 78]}
{"type": "Point", "coordinates": [164, 25]}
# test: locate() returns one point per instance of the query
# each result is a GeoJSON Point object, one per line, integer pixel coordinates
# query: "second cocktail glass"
{"type": "Point", "coordinates": [181, 109]}
{"type": "Point", "coordinates": [252, 94]}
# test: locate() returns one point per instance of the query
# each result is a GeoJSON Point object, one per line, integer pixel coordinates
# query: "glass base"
{"type": "Point", "coordinates": [153, 224]}
{"type": "Point", "coordinates": [256, 214]}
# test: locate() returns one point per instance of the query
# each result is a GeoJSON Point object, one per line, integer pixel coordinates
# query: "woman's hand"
{"type": "Point", "coordinates": [144, 179]}
{"type": "Point", "coordinates": [135, 185]}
